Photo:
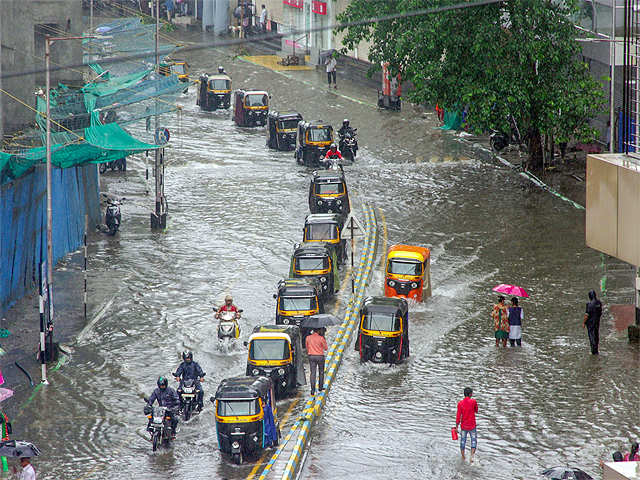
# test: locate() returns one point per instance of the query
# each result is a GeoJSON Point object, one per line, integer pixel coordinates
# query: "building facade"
{"type": "Point", "coordinates": [23, 27]}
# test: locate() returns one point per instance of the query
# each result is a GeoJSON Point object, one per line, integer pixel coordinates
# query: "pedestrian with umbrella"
{"type": "Point", "coordinates": [24, 451]}
{"type": "Point", "coordinates": [515, 314]}
{"type": "Point", "coordinates": [316, 346]}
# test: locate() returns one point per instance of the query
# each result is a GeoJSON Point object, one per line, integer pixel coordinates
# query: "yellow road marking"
{"type": "Point", "coordinates": [285, 417]}
{"type": "Point", "coordinates": [383, 257]}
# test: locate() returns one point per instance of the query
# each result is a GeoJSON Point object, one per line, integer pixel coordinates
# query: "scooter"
{"type": "Point", "coordinates": [349, 144]}
{"type": "Point", "coordinates": [228, 329]}
{"type": "Point", "coordinates": [500, 140]}
{"type": "Point", "coordinates": [113, 217]}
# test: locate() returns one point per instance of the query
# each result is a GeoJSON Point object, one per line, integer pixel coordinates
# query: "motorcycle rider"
{"type": "Point", "coordinates": [221, 70]}
{"type": "Point", "coordinates": [190, 369]}
{"type": "Point", "coordinates": [228, 307]}
{"type": "Point", "coordinates": [344, 130]}
{"type": "Point", "coordinates": [331, 159]}
{"type": "Point", "coordinates": [166, 397]}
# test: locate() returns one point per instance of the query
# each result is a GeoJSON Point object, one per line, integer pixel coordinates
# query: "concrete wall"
{"type": "Point", "coordinates": [22, 48]}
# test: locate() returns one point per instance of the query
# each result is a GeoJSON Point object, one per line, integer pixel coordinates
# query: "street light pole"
{"type": "Point", "coordinates": [159, 216]}
{"type": "Point", "coordinates": [612, 85]}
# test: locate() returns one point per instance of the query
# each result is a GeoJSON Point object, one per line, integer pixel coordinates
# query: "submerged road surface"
{"type": "Point", "coordinates": [236, 208]}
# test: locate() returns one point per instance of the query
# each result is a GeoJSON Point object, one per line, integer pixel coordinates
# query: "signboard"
{"type": "Point", "coordinates": [294, 3]}
{"type": "Point", "coordinates": [319, 7]}
{"type": "Point", "coordinates": [162, 136]}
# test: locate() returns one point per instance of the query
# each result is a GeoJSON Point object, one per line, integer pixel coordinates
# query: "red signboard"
{"type": "Point", "coordinates": [294, 3]}
{"type": "Point", "coordinates": [319, 7]}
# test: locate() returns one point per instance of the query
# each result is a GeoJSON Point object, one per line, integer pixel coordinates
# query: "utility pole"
{"type": "Point", "coordinates": [612, 86]}
{"type": "Point", "coordinates": [159, 217]}
{"type": "Point", "coordinates": [91, 16]}
{"type": "Point", "coordinates": [1, 110]}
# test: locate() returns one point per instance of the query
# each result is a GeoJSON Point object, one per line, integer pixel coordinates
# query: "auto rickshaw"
{"type": "Point", "coordinates": [383, 333]}
{"type": "Point", "coordinates": [328, 193]}
{"type": "Point", "coordinates": [408, 272]}
{"type": "Point", "coordinates": [246, 416]}
{"type": "Point", "coordinates": [251, 108]}
{"type": "Point", "coordinates": [275, 351]}
{"type": "Point", "coordinates": [297, 299]}
{"type": "Point", "coordinates": [313, 142]}
{"type": "Point", "coordinates": [316, 260]}
{"type": "Point", "coordinates": [326, 228]}
{"type": "Point", "coordinates": [214, 92]}
{"type": "Point", "coordinates": [281, 130]}
{"type": "Point", "coordinates": [175, 66]}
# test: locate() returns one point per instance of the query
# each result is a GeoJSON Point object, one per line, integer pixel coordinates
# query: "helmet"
{"type": "Point", "coordinates": [187, 355]}
{"type": "Point", "coordinates": [162, 382]}
{"type": "Point", "coordinates": [228, 298]}
{"type": "Point", "coordinates": [220, 69]}
{"type": "Point", "coordinates": [333, 146]}
{"type": "Point", "coordinates": [345, 122]}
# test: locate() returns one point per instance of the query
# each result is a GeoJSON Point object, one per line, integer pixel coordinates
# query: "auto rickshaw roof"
{"type": "Point", "coordinates": [328, 175]}
{"type": "Point", "coordinates": [311, 249]}
{"type": "Point", "coordinates": [384, 304]}
{"type": "Point", "coordinates": [410, 252]}
{"type": "Point", "coordinates": [316, 124]}
{"type": "Point", "coordinates": [285, 115]}
{"type": "Point", "coordinates": [243, 387]}
{"type": "Point", "coordinates": [219, 76]}
{"type": "Point", "coordinates": [253, 92]}
{"type": "Point", "coordinates": [323, 219]}
{"type": "Point", "coordinates": [298, 291]}
{"type": "Point", "coordinates": [292, 331]}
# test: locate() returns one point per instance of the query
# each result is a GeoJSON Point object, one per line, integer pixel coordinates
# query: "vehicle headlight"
{"type": "Point", "coordinates": [392, 283]}
{"type": "Point", "coordinates": [394, 351]}
{"type": "Point", "coordinates": [324, 287]}
{"type": "Point", "coordinates": [414, 285]}
{"type": "Point", "coordinates": [378, 355]}
{"type": "Point", "coordinates": [285, 321]}
{"type": "Point", "coordinates": [284, 384]}
{"type": "Point", "coordinates": [323, 279]}
{"type": "Point", "coordinates": [319, 202]}
{"type": "Point", "coordinates": [235, 445]}
{"type": "Point", "coordinates": [255, 438]}
{"type": "Point", "coordinates": [255, 371]}
{"type": "Point", "coordinates": [281, 371]}
{"type": "Point", "coordinates": [339, 202]}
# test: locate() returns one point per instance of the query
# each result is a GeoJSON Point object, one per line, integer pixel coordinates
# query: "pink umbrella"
{"type": "Point", "coordinates": [511, 290]}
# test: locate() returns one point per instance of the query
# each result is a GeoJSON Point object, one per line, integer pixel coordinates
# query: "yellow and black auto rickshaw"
{"type": "Point", "coordinates": [275, 351]}
{"type": "Point", "coordinates": [316, 260]}
{"type": "Point", "coordinates": [246, 417]}
{"type": "Point", "coordinates": [214, 92]}
{"type": "Point", "coordinates": [251, 108]}
{"type": "Point", "coordinates": [297, 299]}
{"type": "Point", "coordinates": [313, 142]}
{"type": "Point", "coordinates": [326, 228]}
{"type": "Point", "coordinates": [328, 193]}
{"type": "Point", "coordinates": [383, 334]}
{"type": "Point", "coordinates": [175, 66]}
{"type": "Point", "coordinates": [281, 130]}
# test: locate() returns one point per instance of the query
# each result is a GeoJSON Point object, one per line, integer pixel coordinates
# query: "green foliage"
{"type": "Point", "coordinates": [519, 57]}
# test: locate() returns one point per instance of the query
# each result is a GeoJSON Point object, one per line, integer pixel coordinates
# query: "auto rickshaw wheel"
{"type": "Point", "coordinates": [237, 458]}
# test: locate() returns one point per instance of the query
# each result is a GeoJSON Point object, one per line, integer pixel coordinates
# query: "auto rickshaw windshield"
{"type": "Point", "coordinates": [319, 135]}
{"type": "Point", "coordinates": [321, 232]}
{"type": "Point", "coordinates": [311, 263]}
{"type": "Point", "coordinates": [404, 268]}
{"type": "Point", "coordinates": [329, 188]}
{"type": "Point", "coordinates": [292, 304]}
{"type": "Point", "coordinates": [237, 408]}
{"type": "Point", "coordinates": [219, 84]}
{"type": "Point", "coordinates": [256, 100]}
{"type": "Point", "coordinates": [178, 69]}
{"type": "Point", "coordinates": [269, 349]}
{"type": "Point", "coordinates": [384, 322]}
{"type": "Point", "coordinates": [288, 124]}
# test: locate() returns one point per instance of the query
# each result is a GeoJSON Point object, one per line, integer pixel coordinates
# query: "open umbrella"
{"type": "Point", "coordinates": [320, 320]}
{"type": "Point", "coordinates": [569, 473]}
{"type": "Point", "coordinates": [16, 448]}
{"type": "Point", "coordinates": [324, 54]}
{"type": "Point", "coordinates": [511, 290]}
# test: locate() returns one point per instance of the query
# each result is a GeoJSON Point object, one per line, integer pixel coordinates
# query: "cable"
{"type": "Point", "coordinates": [241, 41]}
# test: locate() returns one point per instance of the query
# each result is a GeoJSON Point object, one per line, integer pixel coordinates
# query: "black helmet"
{"type": "Point", "coordinates": [186, 355]}
{"type": "Point", "coordinates": [345, 122]}
{"type": "Point", "coordinates": [220, 69]}
{"type": "Point", "coordinates": [162, 382]}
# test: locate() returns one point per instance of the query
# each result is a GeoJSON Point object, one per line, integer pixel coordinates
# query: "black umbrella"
{"type": "Point", "coordinates": [15, 448]}
{"type": "Point", "coordinates": [569, 473]}
{"type": "Point", "coordinates": [324, 54]}
{"type": "Point", "coordinates": [320, 320]}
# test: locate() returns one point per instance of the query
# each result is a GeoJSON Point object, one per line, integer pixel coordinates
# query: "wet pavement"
{"type": "Point", "coordinates": [235, 210]}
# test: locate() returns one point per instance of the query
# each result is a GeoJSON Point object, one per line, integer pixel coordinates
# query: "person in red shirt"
{"type": "Point", "coordinates": [228, 307]}
{"type": "Point", "coordinates": [333, 152]}
{"type": "Point", "coordinates": [316, 346]}
{"type": "Point", "coordinates": [466, 418]}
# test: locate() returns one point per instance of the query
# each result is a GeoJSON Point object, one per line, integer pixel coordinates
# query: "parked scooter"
{"type": "Point", "coordinates": [349, 144]}
{"type": "Point", "coordinates": [113, 216]}
{"type": "Point", "coordinates": [228, 329]}
{"type": "Point", "coordinates": [159, 425]}
{"type": "Point", "coordinates": [119, 164]}
{"type": "Point", "coordinates": [500, 140]}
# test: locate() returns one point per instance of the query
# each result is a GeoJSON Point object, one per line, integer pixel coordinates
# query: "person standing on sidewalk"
{"type": "Point", "coordinates": [316, 346]}
{"type": "Point", "coordinates": [263, 19]}
{"type": "Point", "coordinates": [592, 321]}
{"type": "Point", "coordinates": [466, 418]}
{"type": "Point", "coordinates": [516, 315]}
{"type": "Point", "coordinates": [331, 64]}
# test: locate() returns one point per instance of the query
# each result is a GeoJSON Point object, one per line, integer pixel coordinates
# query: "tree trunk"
{"type": "Point", "coordinates": [535, 162]}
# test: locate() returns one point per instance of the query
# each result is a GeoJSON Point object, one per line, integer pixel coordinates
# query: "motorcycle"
{"type": "Point", "coordinates": [159, 425]}
{"type": "Point", "coordinates": [119, 164]}
{"type": "Point", "coordinates": [113, 217]}
{"type": "Point", "coordinates": [332, 164]}
{"type": "Point", "coordinates": [349, 144]}
{"type": "Point", "coordinates": [228, 329]}
{"type": "Point", "coordinates": [500, 140]}
{"type": "Point", "coordinates": [188, 393]}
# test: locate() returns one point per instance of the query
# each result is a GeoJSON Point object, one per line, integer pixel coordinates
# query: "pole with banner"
{"type": "Point", "coordinates": [43, 299]}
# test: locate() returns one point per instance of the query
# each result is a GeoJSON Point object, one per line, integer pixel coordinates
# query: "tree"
{"type": "Point", "coordinates": [518, 57]}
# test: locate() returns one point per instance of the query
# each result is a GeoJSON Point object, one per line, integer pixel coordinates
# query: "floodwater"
{"type": "Point", "coordinates": [236, 208]}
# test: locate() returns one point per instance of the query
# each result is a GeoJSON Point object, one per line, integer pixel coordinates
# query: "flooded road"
{"type": "Point", "coordinates": [236, 208]}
